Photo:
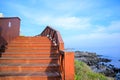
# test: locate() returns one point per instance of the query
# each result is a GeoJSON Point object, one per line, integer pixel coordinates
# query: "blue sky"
{"type": "Point", "coordinates": [92, 25]}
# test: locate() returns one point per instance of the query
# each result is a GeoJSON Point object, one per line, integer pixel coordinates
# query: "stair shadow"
{"type": "Point", "coordinates": [3, 43]}
{"type": "Point", "coordinates": [53, 62]}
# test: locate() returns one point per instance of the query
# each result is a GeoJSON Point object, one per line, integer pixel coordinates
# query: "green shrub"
{"type": "Point", "coordinates": [83, 72]}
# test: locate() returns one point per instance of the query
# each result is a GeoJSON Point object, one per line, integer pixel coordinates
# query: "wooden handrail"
{"type": "Point", "coordinates": [54, 36]}
{"type": "Point", "coordinates": [66, 59]}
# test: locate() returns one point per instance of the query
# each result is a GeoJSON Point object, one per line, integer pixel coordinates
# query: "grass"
{"type": "Point", "coordinates": [83, 72]}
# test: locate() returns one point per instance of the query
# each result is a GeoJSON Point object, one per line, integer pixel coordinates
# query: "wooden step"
{"type": "Point", "coordinates": [45, 38]}
{"type": "Point", "coordinates": [20, 67]}
{"type": "Point", "coordinates": [31, 42]}
{"type": "Point", "coordinates": [31, 39]}
{"type": "Point", "coordinates": [31, 50]}
{"type": "Point", "coordinates": [29, 45]}
{"type": "Point", "coordinates": [43, 50]}
{"type": "Point", "coordinates": [29, 54]}
{"type": "Point", "coordinates": [29, 60]}
{"type": "Point", "coordinates": [30, 76]}
{"type": "Point", "coordinates": [27, 48]}
{"type": "Point", "coordinates": [32, 47]}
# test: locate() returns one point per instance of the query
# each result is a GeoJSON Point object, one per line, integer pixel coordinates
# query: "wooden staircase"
{"type": "Point", "coordinates": [30, 58]}
{"type": "Point", "coordinates": [41, 57]}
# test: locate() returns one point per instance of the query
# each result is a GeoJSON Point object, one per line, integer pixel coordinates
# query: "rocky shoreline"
{"type": "Point", "coordinates": [97, 63]}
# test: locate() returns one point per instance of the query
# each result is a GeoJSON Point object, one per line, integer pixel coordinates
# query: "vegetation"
{"type": "Point", "coordinates": [83, 72]}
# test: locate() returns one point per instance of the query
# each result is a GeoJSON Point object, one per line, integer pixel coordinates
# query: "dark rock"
{"type": "Point", "coordinates": [118, 76]}
{"type": "Point", "coordinates": [97, 63]}
{"type": "Point", "coordinates": [104, 60]}
{"type": "Point", "coordinates": [87, 57]}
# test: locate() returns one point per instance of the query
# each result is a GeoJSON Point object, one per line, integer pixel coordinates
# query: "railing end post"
{"type": "Point", "coordinates": [69, 65]}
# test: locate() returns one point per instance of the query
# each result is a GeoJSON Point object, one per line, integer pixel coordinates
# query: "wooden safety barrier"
{"type": "Point", "coordinates": [66, 59]}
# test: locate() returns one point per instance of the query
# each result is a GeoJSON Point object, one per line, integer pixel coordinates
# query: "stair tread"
{"type": "Point", "coordinates": [30, 53]}
{"type": "Point", "coordinates": [29, 48]}
{"type": "Point", "coordinates": [23, 64]}
{"type": "Point", "coordinates": [27, 37]}
{"type": "Point", "coordinates": [28, 57]}
{"type": "Point", "coordinates": [42, 74]}
{"type": "Point", "coordinates": [30, 42]}
{"type": "Point", "coordinates": [29, 45]}
{"type": "Point", "coordinates": [31, 37]}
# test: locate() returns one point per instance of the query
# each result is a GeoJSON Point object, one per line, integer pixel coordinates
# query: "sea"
{"type": "Point", "coordinates": [115, 59]}
{"type": "Point", "coordinates": [113, 54]}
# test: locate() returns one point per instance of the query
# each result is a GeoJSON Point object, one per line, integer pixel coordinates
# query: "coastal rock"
{"type": "Point", "coordinates": [90, 58]}
{"type": "Point", "coordinates": [118, 75]}
{"type": "Point", "coordinates": [104, 60]}
{"type": "Point", "coordinates": [108, 70]}
{"type": "Point", "coordinates": [97, 63]}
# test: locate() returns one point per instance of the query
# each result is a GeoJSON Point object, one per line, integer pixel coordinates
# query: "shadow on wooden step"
{"type": "Point", "coordinates": [3, 43]}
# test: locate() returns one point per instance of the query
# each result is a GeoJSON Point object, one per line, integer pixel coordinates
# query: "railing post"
{"type": "Point", "coordinates": [69, 65]}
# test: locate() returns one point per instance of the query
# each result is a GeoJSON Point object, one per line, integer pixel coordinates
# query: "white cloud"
{"type": "Point", "coordinates": [73, 22]}
{"type": "Point", "coordinates": [93, 40]}
{"type": "Point", "coordinates": [65, 22]}
{"type": "Point", "coordinates": [101, 36]}
{"type": "Point", "coordinates": [113, 27]}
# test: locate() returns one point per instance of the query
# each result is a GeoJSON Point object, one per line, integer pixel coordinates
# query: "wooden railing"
{"type": "Point", "coordinates": [66, 59]}
{"type": "Point", "coordinates": [54, 36]}
{"type": "Point", "coordinates": [67, 65]}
